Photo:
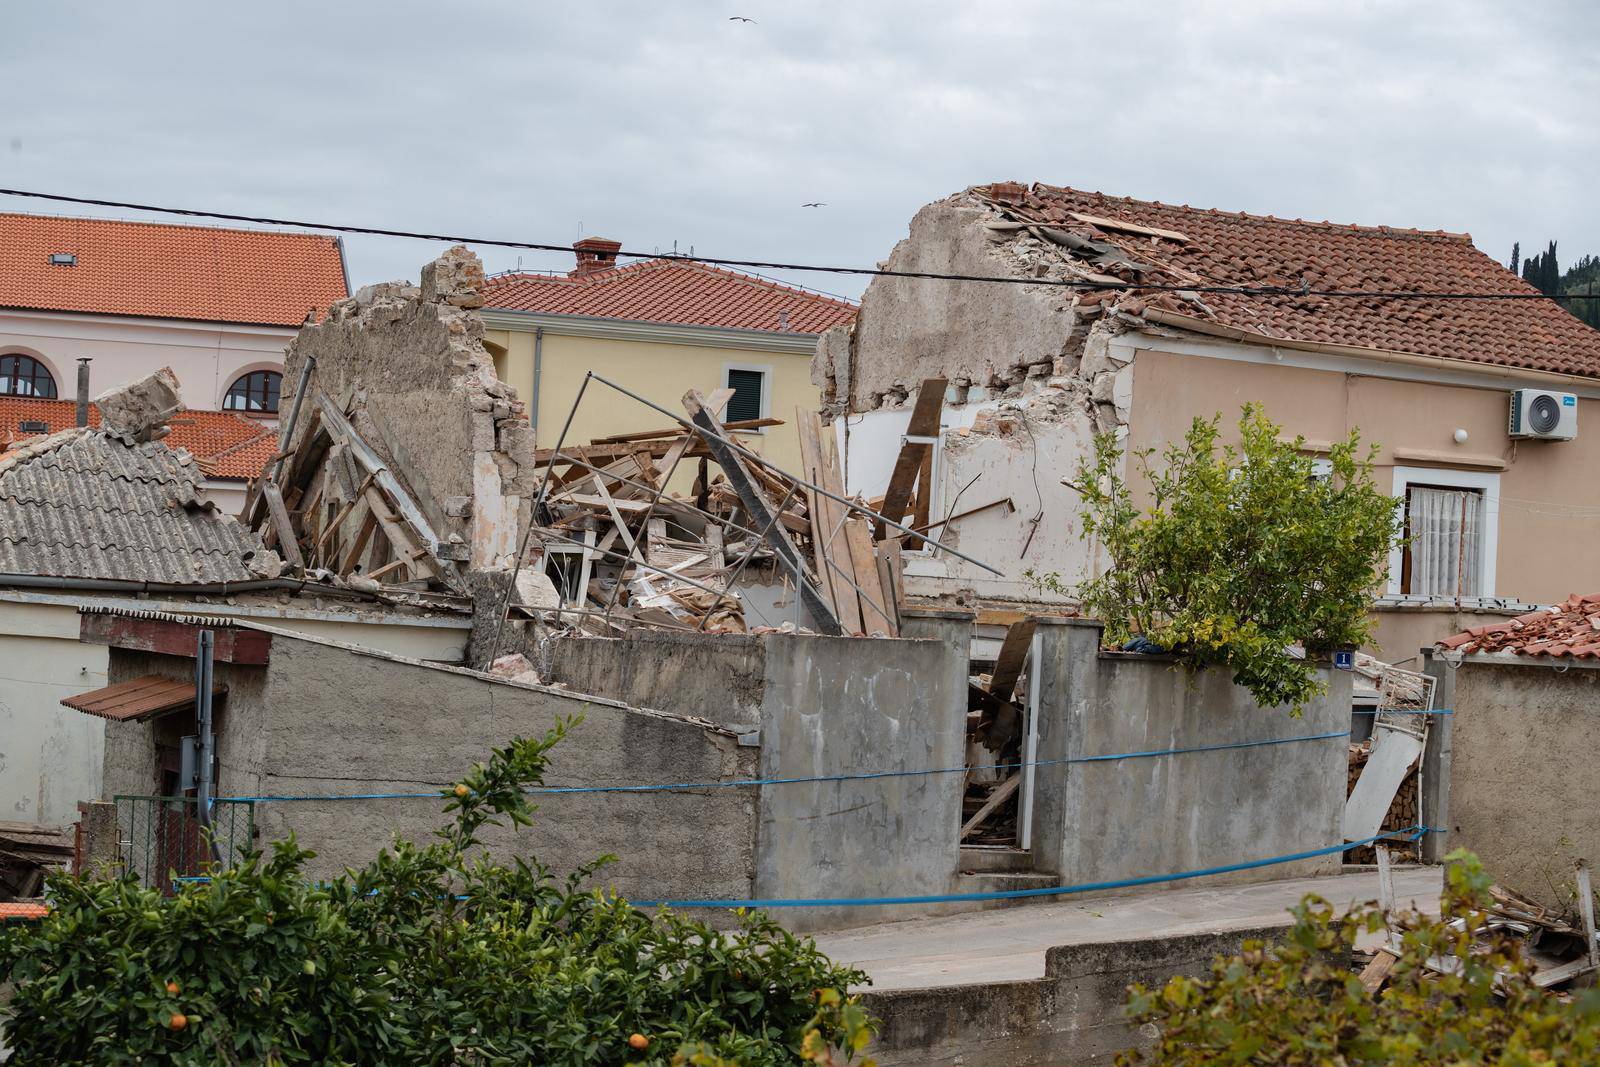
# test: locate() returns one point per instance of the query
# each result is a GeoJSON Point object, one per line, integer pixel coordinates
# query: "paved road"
{"type": "Point", "coordinates": [1009, 944]}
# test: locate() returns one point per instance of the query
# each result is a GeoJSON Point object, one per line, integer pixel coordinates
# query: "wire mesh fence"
{"type": "Point", "coordinates": [161, 838]}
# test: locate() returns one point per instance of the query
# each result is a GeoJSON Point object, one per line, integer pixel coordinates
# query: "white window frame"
{"type": "Point", "coordinates": [765, 370]}
{"type": "Point", "coordinates": [1486, 482]}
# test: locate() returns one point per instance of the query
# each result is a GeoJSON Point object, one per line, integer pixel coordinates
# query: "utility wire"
{"type": "Point", "coordinates": [1288, 291]}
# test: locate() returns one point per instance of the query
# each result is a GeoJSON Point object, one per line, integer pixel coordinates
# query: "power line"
{"type": "Point", "coordinates": [1286, 291]}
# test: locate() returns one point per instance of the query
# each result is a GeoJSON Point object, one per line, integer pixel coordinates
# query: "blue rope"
{"type": "Point", "coordinates": [746, 782]}
{"type": "Point", "coordinates": [1415, 833]}
{"type": "Point", "coordinates": [1403, 711]}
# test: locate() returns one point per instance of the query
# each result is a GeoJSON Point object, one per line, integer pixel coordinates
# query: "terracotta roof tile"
{"type": "Point", "coordinates": [673, 292]}
{"type": "Point", "coordinates": [228, 446]}
{"type": "Point", "coordinates": [174, 272]}
{"type": "Point", "coordinates": [1233, 248]}
{"type": "Point", "coordinates": [1571, 629]}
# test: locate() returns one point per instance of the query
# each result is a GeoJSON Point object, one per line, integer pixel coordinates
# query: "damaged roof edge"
{"type": "Point", "coordinates": [1234, 333]}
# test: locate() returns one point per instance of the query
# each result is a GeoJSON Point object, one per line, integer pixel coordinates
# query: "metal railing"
{"type": "Point", "coordinates": [160, 838]}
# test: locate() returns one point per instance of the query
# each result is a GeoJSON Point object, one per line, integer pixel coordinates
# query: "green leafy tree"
{"type": "Point", "coordinates": [432, 954]}
{"type": "Point", "coordinates": [1299, 1003]}
{"type": "Point", "coordinates": [1245, 551]}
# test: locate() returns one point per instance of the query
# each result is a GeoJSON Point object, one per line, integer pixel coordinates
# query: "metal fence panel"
{"type": "Point", "coordinates": [160, 838]}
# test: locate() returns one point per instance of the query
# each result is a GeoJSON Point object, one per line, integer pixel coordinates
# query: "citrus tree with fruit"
{"type": "Point", "coordinates": [431, 954]}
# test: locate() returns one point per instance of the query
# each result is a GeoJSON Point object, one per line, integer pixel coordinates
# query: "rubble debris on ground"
{"type": "Point", "coordinates": [27, 854]}
{"type": "Point", "coordinates": [1561, 946]}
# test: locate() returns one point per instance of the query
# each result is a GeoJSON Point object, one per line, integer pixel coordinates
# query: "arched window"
{"type": "Point", "coordinates": [22, 375]}
{"type": "Point", "coordinates": [256, 391]}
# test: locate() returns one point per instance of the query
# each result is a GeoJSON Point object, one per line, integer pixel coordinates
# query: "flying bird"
{"type": "Point", "coordinates": [815, 203]}
{"type": "Point", "coordinates": [739, 18]}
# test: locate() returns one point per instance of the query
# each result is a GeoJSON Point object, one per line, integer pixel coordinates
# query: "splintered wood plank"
{"type": "Point", "coordinates": [924, 423]}
{"type": "Point", "coordinates": [832, 545]}
{"type": "Point", "coordinates": [352, 555]}
{"type": "Point", "coordinates": [877, 609]}
{"type": "Point", "coordinates": [1008, 664]}
{"type": "Point", "coordinates": [282, 527]}
{"type": "Point", "coordinates": [1001, 794]}
{"type": "Point", "coordinates": [808, 425]}
{"type": "Point", "coordinates": [1377, 972]}
{"type": "Point", "coordinates": [924, 499]}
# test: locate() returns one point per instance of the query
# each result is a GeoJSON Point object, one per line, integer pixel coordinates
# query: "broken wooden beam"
{"type": "Point", "coordinates": [760, 509]}
{"type": "Point", "coordinates": [920, 432]}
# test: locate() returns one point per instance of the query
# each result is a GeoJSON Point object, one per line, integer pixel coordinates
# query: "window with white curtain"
{"type": "Point", "coordinates": [1445, 550]}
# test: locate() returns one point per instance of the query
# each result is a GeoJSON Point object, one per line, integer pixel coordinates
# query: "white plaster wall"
{"type": "Point", "coordinates": [997, 467]}
{"type": "Point", "coordinates": [50, 757]}
{"type": "Point", "coordinates": [206, 357]}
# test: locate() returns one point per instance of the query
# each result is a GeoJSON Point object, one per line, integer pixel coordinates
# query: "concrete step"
{"type": "Point", "coordinates": [1001, 882]}
{"type": "Point", "coordinates": [978, 859]}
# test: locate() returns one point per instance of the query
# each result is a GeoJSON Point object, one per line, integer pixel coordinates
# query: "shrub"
{"type": "Point", "coordinates": [1299, 1003]}
{"type": "Point", "coordinates": [1243, 552]}
{"type": "Point", "coordinates": [432, 954]}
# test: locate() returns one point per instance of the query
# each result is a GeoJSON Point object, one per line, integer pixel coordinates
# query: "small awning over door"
{"type": "Point", "coordinates": [138, 699]}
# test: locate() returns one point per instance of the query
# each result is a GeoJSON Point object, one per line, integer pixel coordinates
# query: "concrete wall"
{"type": "Point", "coordinates": [1518, 761]}
{"type": "Point", "coordinates": [714, 676]}
{"type": "Point", "coordinates": [50, 758]}
{"type": "Point", "coordinates": [846, 705]}
{"type": "Point", "coordinates": [825, 706]}
{"type": "Point", "coordinates": [321, 719]}
{"type": "Point", "coordinates": [1073, 1015]}
{"type": "Point", "coordinates": [207, 357]}
{"type": "Point", "coordinates": [659, 370]}
{"type": "Point", "coordinates": [1103, 821]}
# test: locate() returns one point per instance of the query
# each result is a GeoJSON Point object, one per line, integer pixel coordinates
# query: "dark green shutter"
{"type": "Point", "coordinates": [746, 402]}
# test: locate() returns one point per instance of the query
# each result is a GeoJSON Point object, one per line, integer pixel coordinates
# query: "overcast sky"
{"type": "Point", "coordinates": [653, 123]}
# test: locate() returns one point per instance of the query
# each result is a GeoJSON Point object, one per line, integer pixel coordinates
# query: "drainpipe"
{"type": "Point", "coordinates": [202, 698]}
{"type": "Point", "coordinates": [538, 370]}
{"type": "Point", "coordinates": [83, 391]}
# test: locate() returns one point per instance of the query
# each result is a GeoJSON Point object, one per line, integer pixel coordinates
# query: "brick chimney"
{"type": "Point", "coordinates": [595, 254]}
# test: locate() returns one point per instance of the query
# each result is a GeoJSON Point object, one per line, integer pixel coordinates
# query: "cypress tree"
{"type": "Point", "coordinates": [1516, 256]}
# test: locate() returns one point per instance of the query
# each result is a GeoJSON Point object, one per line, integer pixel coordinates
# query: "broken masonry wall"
{"type": "Point", "coordinates": [427, 399]}
{"type": "Point", "coordinates": [990, 336]}
{"type": "Point", "coordinates": [1034, 373]}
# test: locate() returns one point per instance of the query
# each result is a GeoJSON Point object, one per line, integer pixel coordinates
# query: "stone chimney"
{"type": "Point", "coordinates": [83, 390]}
{"type": "Point", "coordinates": [595, 254]}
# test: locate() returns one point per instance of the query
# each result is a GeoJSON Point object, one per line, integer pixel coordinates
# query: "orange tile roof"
{"type": "Point", "coordinates": [174, 272]}
{"type": "Point", "coordinates": [1571, 629]}
{"type": "Point", "coordinates": [228, 446]}
{"type": "Point", "coordinates": [1233, 248]}
{"type": "Point", "coordinates": [672, 292]}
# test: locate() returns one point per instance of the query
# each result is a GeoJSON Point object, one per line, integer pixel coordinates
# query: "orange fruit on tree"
{"type": "Point", "coordinates": [178, 1021]}
{"type": "Point", "coordinates": [172, 987]}
{"type": "Point", "coordinates": [639, 1041]}
{"type": "Point", "coordinates": [462, 790]}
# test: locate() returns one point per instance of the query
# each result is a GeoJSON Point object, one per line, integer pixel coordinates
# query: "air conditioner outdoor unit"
{"type": "Point", "coordinates": [1542, 414]}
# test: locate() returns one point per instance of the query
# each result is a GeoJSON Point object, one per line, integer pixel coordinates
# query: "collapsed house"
{"type": "Point", "coordinates": [1126, 332]}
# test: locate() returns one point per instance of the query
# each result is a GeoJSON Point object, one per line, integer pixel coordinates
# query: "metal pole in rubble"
{"type": "Point", "coordinates": [207, 744]}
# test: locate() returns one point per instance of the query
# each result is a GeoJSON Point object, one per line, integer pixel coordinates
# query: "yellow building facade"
{"type": "Point", "coordinates": [547, 356]}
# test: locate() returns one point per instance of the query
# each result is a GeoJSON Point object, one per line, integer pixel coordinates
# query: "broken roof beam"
{"type": "Point", "coordinates": [739, 450]}
{"type": "Point", "coordinates": [675, 431]}
{"type": "Point", "coordinates": [760, 510]}
{"type": "Point", "coordinates": [442, 552]}
{"type": "Point", "coordinates": [921, 432]}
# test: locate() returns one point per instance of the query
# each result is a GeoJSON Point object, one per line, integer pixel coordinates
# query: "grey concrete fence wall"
{"type": "Point", "coordinates": [1104, 821]}
{"type": "Point", "coordinates": [1073, 1015]}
